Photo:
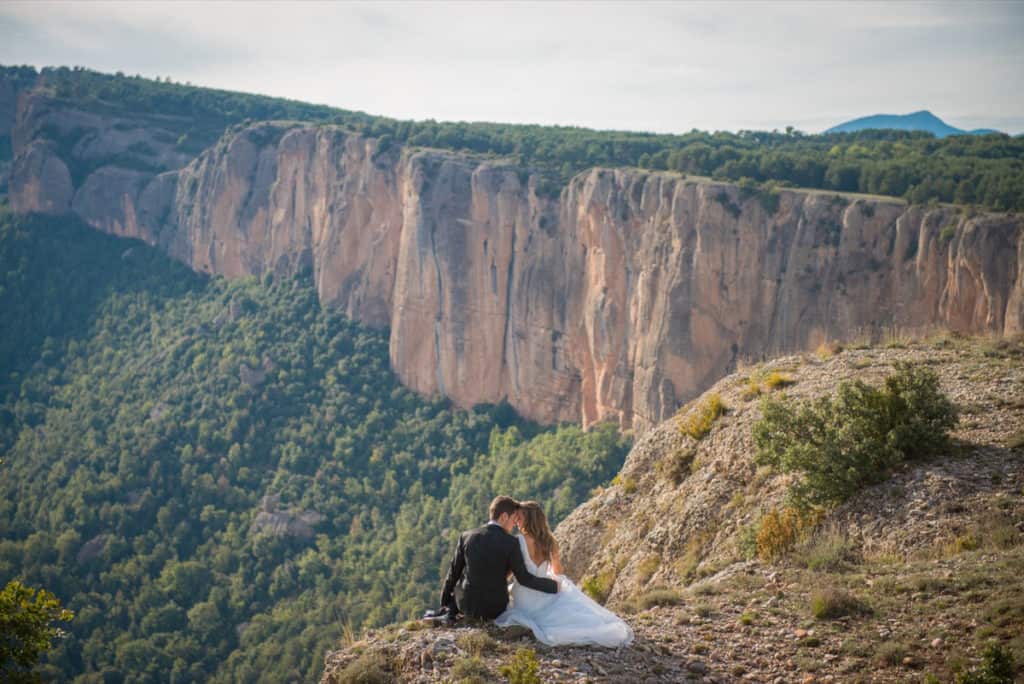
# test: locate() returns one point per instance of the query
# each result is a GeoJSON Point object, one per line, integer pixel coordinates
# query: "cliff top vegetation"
{"type": "Point", "coordinates": [986, 170]}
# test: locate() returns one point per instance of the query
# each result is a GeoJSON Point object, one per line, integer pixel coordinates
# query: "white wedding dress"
{"type": "Point", "coordinates": [569, 617]}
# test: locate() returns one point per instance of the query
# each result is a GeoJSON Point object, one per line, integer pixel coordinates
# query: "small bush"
{"type": "Point", "coordinates": [598, 586]}
{"type": "Point", "coordinates": [752, 390]}
{"type": "Point", "coordinates": [890, 653]}
{"type": "Point", "coordinates": [947, 234]}
{"type": "Point", "coordinates": [476, 643]}
{"type": "Point", "coordinates": [831, 603]}
{"type": "Point", "coordinates": [748, 540]}
{"type": "Point", "coordinates": [748, 618]}
{"type": "Point", "coordinates": [779, 530]}
{"type": "Point", "coordinates": [523, 668]}
{"type": "Point", "coordinates": [840, 445]}
{"type": "Point", "coordinates": [996, 668]}
{"type": "Point", "coordinates": [470, 670]}
{"type": "Point", "coordinates": [369, 668]}
{"type": "Point", "coordinates": [698, 422]}
{"type": "Point", "coordinates": [628, 484]}
{"type": "Point", "coordinates": [777, 380]}
{"type": "Point", "coordinates": [769, 199]}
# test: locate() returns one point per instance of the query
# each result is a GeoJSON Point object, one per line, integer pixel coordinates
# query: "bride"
{"type": "Point", "coordinates": [568, 617]}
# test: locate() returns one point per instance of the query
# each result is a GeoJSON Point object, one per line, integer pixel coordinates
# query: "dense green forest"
{"type": "Point", "coordinates": [984, 170]}
{"type": "Point", "coordinates": [221, 478]}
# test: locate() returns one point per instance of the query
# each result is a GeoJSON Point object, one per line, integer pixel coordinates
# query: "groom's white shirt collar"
{"type": "Point", "coordinates": [494, 522]}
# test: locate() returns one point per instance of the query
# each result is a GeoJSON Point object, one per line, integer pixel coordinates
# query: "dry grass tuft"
{"type": "Point", "coordinates": [826, 350]}
{"type": "Point", "coordinates": [777, 380]}
{"type": "Point", "coordinates": [677, 466]}
{"type": "Point", "coordinates": [476, 643]}
{"type": "Point", "coordinates": [660, 596]}
{"type": "Point", "coordinates": [647, 567]}
{"type": "Point", "coordinates": [699, 421]}
{"type": "Point", "coordinates": [780, 530]}
{"type": "Point", "coordinates": [367, 669]}
{"type": "Point", "coordinates": [831, 603]}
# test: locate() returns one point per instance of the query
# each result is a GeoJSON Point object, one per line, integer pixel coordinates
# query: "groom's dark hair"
{"type": "Point", "coordinates": [502, 505]}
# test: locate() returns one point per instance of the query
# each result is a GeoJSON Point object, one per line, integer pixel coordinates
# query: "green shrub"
{"type": "Point", "coordinates": [842, 444]}
{"type": "Point", "coordinates": [769, 198]}
{"type": "Point", "coordinates": [698, 422]}
{"type": "Point", "coordinates": [27, 628]}
{"type": "Point", "coordinates": [523, 668]}
{"type": "Point", "coordinates": [947, 234]}
{"type": "Point", "coordinates": [996, 668]}
{"type": "Point", "coordinates": [598, 586]}
{"type": "Point", "coordinates": [748, 540]}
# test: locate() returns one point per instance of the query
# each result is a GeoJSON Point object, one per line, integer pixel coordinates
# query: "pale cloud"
{"type": "Point", "coordinates": [642, 66]}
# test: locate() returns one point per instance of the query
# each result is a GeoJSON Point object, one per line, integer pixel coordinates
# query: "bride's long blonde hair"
{"type": "Point", "coordinates": [535, 524]}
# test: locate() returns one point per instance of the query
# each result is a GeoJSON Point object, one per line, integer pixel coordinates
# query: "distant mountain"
{"type": "Point", "coordinates": [916, 121]}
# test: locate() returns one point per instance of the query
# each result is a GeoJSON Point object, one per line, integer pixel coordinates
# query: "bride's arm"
{"type": "Point", "coordinates": [556, 561]}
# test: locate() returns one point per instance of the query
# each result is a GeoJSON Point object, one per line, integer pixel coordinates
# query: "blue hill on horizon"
{"type": "Point", "coordinates": [915, 121]}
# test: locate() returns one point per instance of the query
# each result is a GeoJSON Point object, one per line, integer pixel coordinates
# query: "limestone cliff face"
{"type": "Point", "coordinates": [621, 299]}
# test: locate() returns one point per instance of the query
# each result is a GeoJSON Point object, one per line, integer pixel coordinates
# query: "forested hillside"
{"type": "Point", "coordinates": [220, 478]}
{"type": "Point", "coordinates": [985, 170]}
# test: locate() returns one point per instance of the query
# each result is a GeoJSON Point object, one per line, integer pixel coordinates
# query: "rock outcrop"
{"type": "Point", "coordinates": [620, 299]}
{"type": "Point", "coordinates": [681, 507]}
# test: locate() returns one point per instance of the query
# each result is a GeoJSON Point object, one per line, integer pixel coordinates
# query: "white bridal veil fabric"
{"type": "Point", "coordinates": [569, 617]}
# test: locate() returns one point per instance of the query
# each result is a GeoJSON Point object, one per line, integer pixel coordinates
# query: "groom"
{"type": "Point", "coordinates": [476, 584]}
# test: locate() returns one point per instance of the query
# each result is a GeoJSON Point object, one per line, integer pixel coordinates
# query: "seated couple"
{"type": "Point", "coordinates": [539, 597]}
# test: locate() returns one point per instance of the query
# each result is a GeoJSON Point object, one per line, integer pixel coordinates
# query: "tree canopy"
{"type": "Point", "coordinates": [219, 478]}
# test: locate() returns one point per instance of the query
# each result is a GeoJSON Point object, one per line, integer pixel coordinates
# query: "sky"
{"type": "Point", "coordinates": [659, 66]}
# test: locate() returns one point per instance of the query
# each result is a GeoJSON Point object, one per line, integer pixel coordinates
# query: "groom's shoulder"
{"type": "Point", "coordinates": [483, 529]}
{"type": "Point", "coordinates": [489, 531]}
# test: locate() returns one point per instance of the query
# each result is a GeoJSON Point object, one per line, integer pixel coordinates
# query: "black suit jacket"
{"type": "Point", "coordinates": [477, 583]}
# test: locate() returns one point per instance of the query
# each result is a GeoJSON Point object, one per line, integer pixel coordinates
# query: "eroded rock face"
{"type": "Point", "coordinates": [621, 299]}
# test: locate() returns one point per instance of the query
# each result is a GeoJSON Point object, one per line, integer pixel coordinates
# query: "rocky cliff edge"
{"type": "Point", "coordinates": [620, 299]}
